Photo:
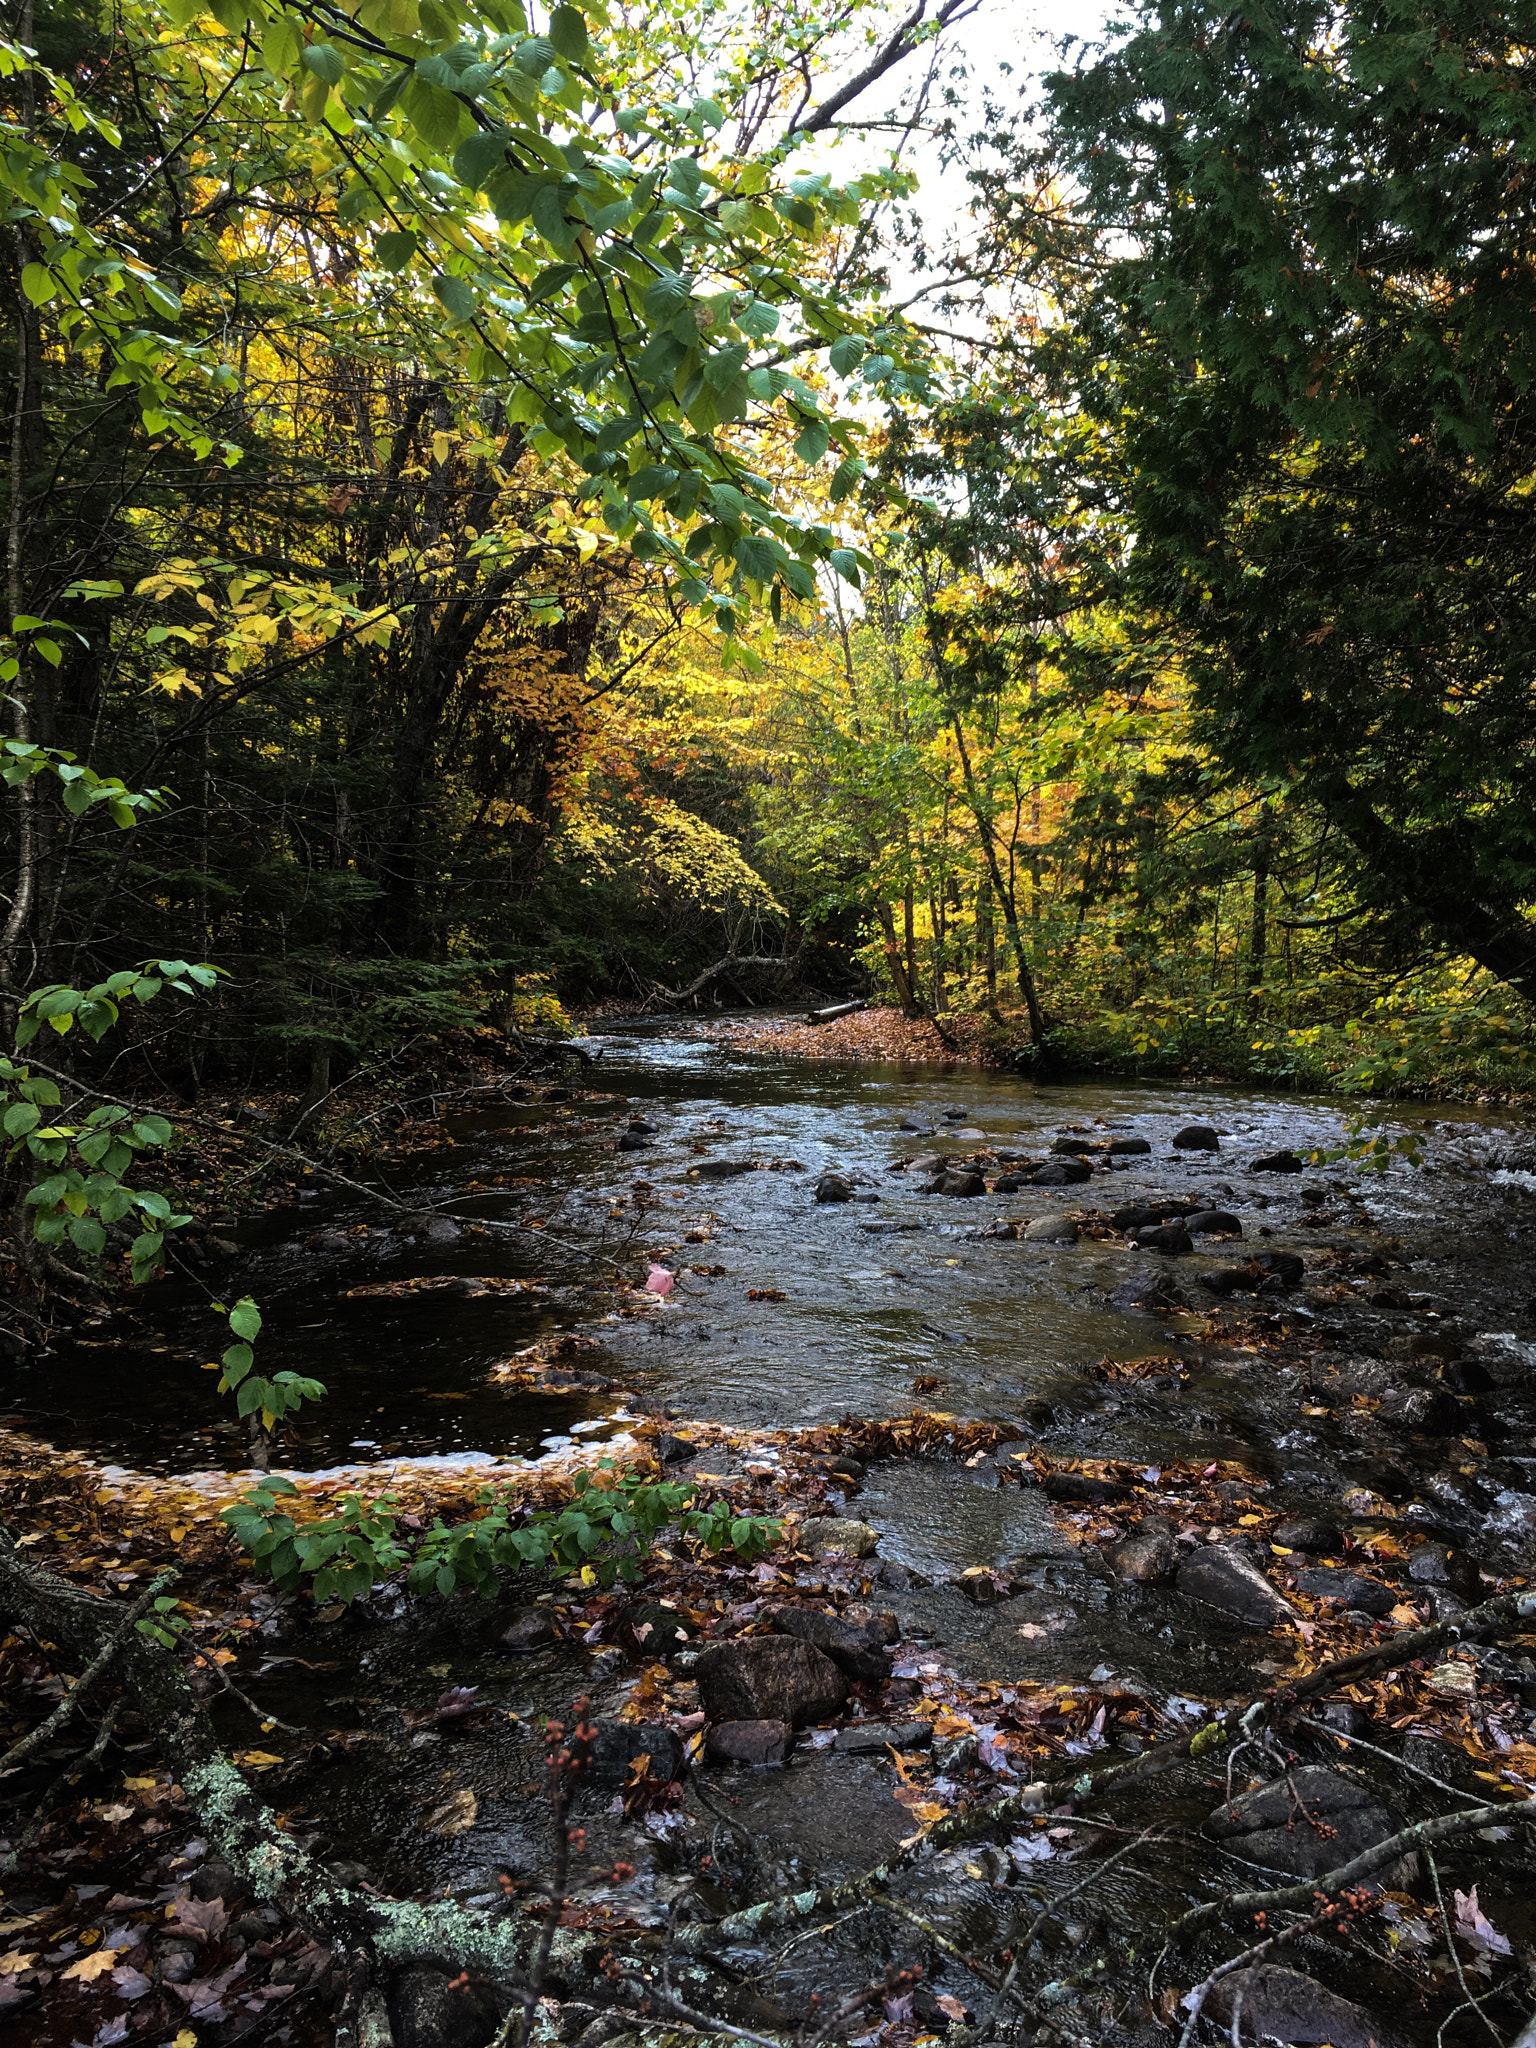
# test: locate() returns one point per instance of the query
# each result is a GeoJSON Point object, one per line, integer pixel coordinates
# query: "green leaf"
{"type": "Point", "coordinates": [846, 353]}
{"type": "Point", "coordinates": [20, 1118]}
{"type": "Point", "coordinates": [549, 216]}
{"type": "Point", "coordinates": [395, 249]}
{"type": "Point", "coordinates": [550, 280]}
{"type": "Point", "coordinates": [456, 295]}
{"type": "Point", "coordinates": [245, 1318]}
{"type": "Point", "coordinates": [87, 1236]}
{"type": "Point", "coordinates": [237, 1362]}
{"type": "Point", "coordinates": [811, 442]}
{"type": "Point", "coordinates": [478, 156]}
{"type": "Point", "coordinates": [846, 563]}
{"type": "Point", "coordinates": [324, 62]}
{"type": "Point", "coordinates": [568, 34]}
{"type": "Point", "coordinates": [152, 1130]}
{"type": "Point", "coordinates": [756, 556]}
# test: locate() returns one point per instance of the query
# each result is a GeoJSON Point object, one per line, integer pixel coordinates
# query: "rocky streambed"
{"type": "Point", "coordinates": [1093, 1415]}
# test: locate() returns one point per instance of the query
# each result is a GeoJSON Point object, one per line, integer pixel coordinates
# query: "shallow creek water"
{"type": "Point", "coordinates": [875, 1294]}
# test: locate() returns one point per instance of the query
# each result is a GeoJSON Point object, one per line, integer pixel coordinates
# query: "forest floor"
{"type": "Point", "coordinates": [873, 1034]}
{"type": "Point", "coordinates": [1095, 1718]}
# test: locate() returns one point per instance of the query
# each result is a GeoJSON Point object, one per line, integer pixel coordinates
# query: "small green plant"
{"type": "Point", "coordinates": [1367, 1145]}
{"type": "Point", "coordinates": [602, 1534]}
{"type": "Point", "coordinates": [267, 1400]}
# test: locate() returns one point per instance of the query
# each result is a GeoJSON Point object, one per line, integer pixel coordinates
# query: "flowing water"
{"type": "Point", "coordinates": [854, 1302]}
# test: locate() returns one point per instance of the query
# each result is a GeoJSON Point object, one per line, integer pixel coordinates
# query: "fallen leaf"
{"type": "Point", "coordinates": [454, 1815]}
{"type": "Point", "coordinates": [116, 1813]}
{"type": "Point", "coordinates": [130, 1983]}
{"type": "Point", "coordinates": [13, 1964]}
{"type": "Point", "coordinates": [88, 1968]}
{"type": "Point", "coordinates": [204, 1919]}
{"type": "Point", "coordinates": [256, 1759]}
{"type": "Point", "coordinates": [1472, 1925]}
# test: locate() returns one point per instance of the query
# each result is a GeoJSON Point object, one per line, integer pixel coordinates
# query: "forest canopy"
{"type": "Point", "coordinates": [513, 510]}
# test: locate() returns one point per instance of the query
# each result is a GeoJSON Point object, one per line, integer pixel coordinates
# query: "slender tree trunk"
{"type": "Point", "coordinates": [1258, 932]}
{"type": "Point", "coordinates": [1004, 894]}
{"type": "Point", "coordinates": [906, 993]}
{"type": "Point", "coordinates": [26, 418]}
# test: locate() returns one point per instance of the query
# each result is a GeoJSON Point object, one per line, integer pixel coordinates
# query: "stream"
{"type": "Point", "coordinates": [788, 1313]}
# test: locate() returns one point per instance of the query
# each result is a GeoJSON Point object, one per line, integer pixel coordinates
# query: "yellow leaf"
{"type": "Point", "coordinates": [256, 1759]}
{"type": "Point", "coordinates": [89, 1968]}
{"type": "Point", "coordinates": [179, 1532]}
{"type": "Point", "coordinates": [1249, 1521]}
{"type": "Point", "coordinates": [140, 1784]}
{"type": "Point", "coordinates": [1280, 1550]}
{"type": "Point", "coordinates": [13, 1964]}
{"type": "Point", "coordinates": [454, 1815]}
{"type": "Point", "coordinates": [185, 2039]}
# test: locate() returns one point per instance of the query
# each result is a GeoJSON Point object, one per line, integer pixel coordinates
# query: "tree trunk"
{"type": "Point", "coordinates": [1258, 931]}
{"type": "Point", "coordinates": [906, 993]}
{"type": "Point", "coordinates": [1004, 896]}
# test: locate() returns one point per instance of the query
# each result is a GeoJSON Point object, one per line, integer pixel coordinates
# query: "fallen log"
{"type": "Point", "coordinates": [826, 1015]}
{"type": "Point", "coordinates": [369, 1935]}
{"type": "Point", "coordinates": [724, 965]}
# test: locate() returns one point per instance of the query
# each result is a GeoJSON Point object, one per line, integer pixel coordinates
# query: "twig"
{"type": "Point", "coordinates": [1420, 1836]}
{"type": "Point", "coordinates": [703, 2020]}
{"type": "Point", "coordinates": [987, 1975]}
{"type": "Point", "coordinates": [1196, 1998]}
{"type": "Point", "coordinates": [264, 1719]}
{"type": "Point", "coordinates": [70, 1773]}
{"type": "Point", "coordinates": [35, 1740]}
{"type": "Point", "coordinates": [1359, 1742]}
{"type": "Point", "coordinates": [769, 1914]}
{"type": "Point", "coordinates": [1450, 1942]}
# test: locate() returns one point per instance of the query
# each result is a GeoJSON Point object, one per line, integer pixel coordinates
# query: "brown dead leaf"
{"type": "Point", "coordinates": [86, 1969]}
{"type": "Point", "coordinates": [455, 1815]}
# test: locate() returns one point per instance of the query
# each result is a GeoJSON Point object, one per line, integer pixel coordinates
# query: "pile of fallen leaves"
{"type": "Point", "coordinates": [868, 1035]}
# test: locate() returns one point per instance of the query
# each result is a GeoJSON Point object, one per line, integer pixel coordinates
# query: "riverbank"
{"type": "Point", "coordinates": [1092, 1419]}
{"type": "Point", "coordinates": [874, 1034]}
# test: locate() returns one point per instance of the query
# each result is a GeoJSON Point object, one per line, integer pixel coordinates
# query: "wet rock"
{"type": "Point", "coordinates": [953, 1183]}
{"type": "Point", "coordinates": [1051, 1230]}
{"type": "Point", "coordinates": [1134, 1215]}
{"type": "Point", "coordinates": [1312, 1533]}
{"type": "Point", "coordinates": [1149, 1554]}
{"type": "Point", "coordinates": [955, 1116]}
{"type": "Point", "coordinates": [672, 1450]}
{"type": "Point", "coordinates": [529, 1631]}
{"type": "Point", "coordinates": [423, 1223]}
{"type": "Point", "coordinates": [873, 1738]}
{"type": "Point", "coordinates": [635, 1141]}
{"type": "Point", "coordinates": [1172, 1239]}
{"type": "Point", "coordinates": [1121, 1148]}
{"type": "Point", "coordinates": [832, 1187]}
{"type": "Point", "coordinates": [427, 2009]}
{"type": "Point", "coordinates": [1084, 1486]}
{"type": "Point", "coordinates": [720, 1169]}
{"type": "Point", "coordinates": [916, 1126]}
{"type": "Point", "coordinates": [769, 1678]}
{"type": "Point", "coordinates": [1277, 1162]}
{"type": "Point", "coordinates": [881, 1623]}
{"type": "Point", "coordinates": [1286, 1267]}
{"type": "Point", "coordinates": [1283, 2005]}
{"type": "Point", "coordinates": [636, 1123]}
{"type": "Point", "coordinates": [852, 1649]}
{"type": "Point", "coordinates": [897, 1578]}
{"type": "Point", "coordinates": [1313, 1197]}
{"type": "Point", "coordinates": [1344, 1718]}
{"type": "Point", "coordinates": [833, 1532]}
{"type": "Point", "coordinates": [1218, 1576]}
{"type": "Point", "coordinates": [617, 1744]}
{"type": "Point", "coordinates": [1336, 1820]}
{"type": "Point", "coordinates": [1196, 1138]}
{"type": "Point", "coordinates": [978, 1582]}
{"type": "Point", "coordinates": [1213, 1223]}
{"type": "Point", "coordinates": [216, 1880]}
{"type": "Point", "coordinates": [1366, 1596]}
{"type": "Point", "coordinates": [749, 1742]}
{"type": "Point", "coordinates": [655, 1630]}
{"type": "Point", "coordinates": [1431, 1411]}
{"type": "Point", "coordinates": [1071, 1145]}
{"type": "Point", "coordinates": [1440, 1564]}
{"type": "Point", "coordinates": [1153, 1292]}
{"type": "Point", "coordinates": [1060, 1173]}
